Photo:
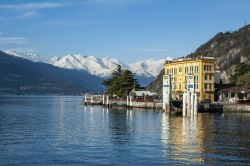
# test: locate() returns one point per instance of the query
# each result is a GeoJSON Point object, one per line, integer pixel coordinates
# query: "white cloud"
{"type": "Point", "coordinates": [149, 49]}
{"type": "Point", "coordinates": [111, 1]}
{"type": "Point", "coordinates": [12, 40]}
{"type": "Point", "coordinates": [24, 50]}
{"type": "Point", "coordinates": [30, 14]}
{"type": "Point", "coordinates": [32, 6]}
{"type": "Point", "coordinates": [30, 10]}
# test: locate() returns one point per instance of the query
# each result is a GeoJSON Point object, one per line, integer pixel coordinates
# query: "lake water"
{"type": "Point", "coordinates": [60, 131]}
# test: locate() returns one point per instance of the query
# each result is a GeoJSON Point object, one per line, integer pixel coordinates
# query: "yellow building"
{"type": "Point", "coordinates": [203, 70]}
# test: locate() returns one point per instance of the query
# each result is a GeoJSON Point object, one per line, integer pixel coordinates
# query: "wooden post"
{"type": "Point", "coordinates": [91, 100]}
{"type": "Point", "coordinates": [184, 104]}
{"type": "Point", "coordinates": [85, 99]}
{"type": "Point", "coordinates": [128, 101]}
{"type": "Point", "coordinates": [131, 102]}
{"type": "Point", "coordinates": [107, 101]}
{"type": "Point", "coordinates": [103, 99]}
{"type": "Point", "coordinates": [195, 104]}
{"type": "Point", "coordinates": [188, 103]}
{"type": "Point", "coordinates": [192, 104]}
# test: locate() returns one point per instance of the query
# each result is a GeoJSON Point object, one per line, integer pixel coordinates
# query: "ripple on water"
{"type": "Point", "coordinates": [47, 131]}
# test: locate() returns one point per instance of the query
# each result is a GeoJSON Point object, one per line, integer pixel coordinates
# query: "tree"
{"type": "Point", "coordinates": [240, 70]}
{"type": "Point", "coordinates": [121, 82]}
{"type": "Point", "coordinates": [244, 79]}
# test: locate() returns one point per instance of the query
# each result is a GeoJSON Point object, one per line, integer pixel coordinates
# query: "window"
{"type": "Point", "coordinates": [180, 86]}
{"type": "Point", "coordinates": [205, 86]}
{"type": "Point", "coordinates": [167, 71]}
{"type": "Point", "coordinates": [205, 77]}
{"type": "Point", "coordinates": [180, 69]}
{"type": "Point", "coordinates": [195, 78]}
{"type": "Point", "coordinates": [196, 69]}
{"type": "Point", "coordinates": [191, 69]}
{"type": "Point", "coordinates": [186, 70]}
{"type": "Point", "coordinates": [210, 77]}
{"type": "Point", "coordinates": [205, 67]}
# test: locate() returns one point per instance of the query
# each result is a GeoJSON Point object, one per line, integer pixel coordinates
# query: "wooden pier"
{"type": "Point", "coordinates": [129, 102]}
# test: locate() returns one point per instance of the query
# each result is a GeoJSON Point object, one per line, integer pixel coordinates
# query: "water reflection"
{"type": "Point", "coordinates": [120, 127]}
{"type": "Point", "coordinates": [48, 131]}
{"type": "Point", "coordinates": [206, 139]}
{"type": "Point", "coordinates": [186, 138]}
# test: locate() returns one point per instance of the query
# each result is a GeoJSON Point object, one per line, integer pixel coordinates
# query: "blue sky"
{"type": "Point", "coordinates": [129, 30]}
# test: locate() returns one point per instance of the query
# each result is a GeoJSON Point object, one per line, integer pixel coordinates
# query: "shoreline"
{"type": "Point", "coordinates": [155, 106]}
{"type": "Point", "coordinates": [235, 108]}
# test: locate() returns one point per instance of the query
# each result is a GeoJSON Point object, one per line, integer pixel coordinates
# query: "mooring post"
{"type": "Point", "coordinates": [192, 104]}
{"type": "Point", "coordinates": [131, 102]}
{"type": "Point", "coordinates": [85, 99]}
{"type": "Point", "coordinates": [103, 100]}
{"type": "Point", "coordinates": [195, 105]}
{"type": "Point", "coordinates": [190, 94]}
{"type": "Point", "coordinates": [166, 93]}
{"type": "Point", "coordinates": [91, 100]}
{"type": "Point", "coordinates": [107, 101]}
{"type": "Point", "coordinates": [184, 104]}
{"type": "Point", "coordinates": [127, 101]}
{"type": "Point", "coordinates": [188, 103]}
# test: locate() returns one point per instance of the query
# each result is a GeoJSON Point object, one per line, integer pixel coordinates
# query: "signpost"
{"type": "Point", "coordinates": [190, 98]}
{"type": "Point", "coordinates": [166, 92]}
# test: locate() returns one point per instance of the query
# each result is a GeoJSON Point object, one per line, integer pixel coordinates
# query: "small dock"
{"type": "Point", "coordinates": [130, 103]}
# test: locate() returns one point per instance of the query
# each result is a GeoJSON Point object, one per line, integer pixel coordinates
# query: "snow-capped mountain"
{"type": "Point", "coordinates": [150, 67]}
{"type": "Point", "coordinates": [96, 66]}
{"type": "Point", "coordinates": [30, 56]}
{"type": "Point", "coordinates": [104, 67]}
{"type": "Point", "coordinates": [145, 70]}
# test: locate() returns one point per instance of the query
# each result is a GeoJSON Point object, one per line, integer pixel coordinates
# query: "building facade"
{"type": "Point", "coordinates": [202, 68]}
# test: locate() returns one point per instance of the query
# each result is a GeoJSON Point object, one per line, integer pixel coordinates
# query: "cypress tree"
{"type": "Point", "coordinates": [121, 82]}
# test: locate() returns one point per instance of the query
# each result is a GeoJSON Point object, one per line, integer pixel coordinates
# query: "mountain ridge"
{"type": "Point", "coordinates": [22, 76]}
{"type": "Point", "coordinates": [229, 48]}
{"type": "Point", "coordinates": [145, 70]}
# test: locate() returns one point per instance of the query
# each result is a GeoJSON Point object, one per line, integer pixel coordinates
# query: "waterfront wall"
{"type": "Point", "coordinates": [233, 107]}
{"type": "Point", "coordinates": [137, 104]}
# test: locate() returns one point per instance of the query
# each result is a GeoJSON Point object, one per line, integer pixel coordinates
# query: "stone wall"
{"type": "Point", "coordinates": [236, 108]}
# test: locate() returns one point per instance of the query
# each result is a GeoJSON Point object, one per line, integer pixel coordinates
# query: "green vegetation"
{"type": "Point", "coordinates": [121, 82]}
{"type": "Point", "coordinates": [244, 79]}
{"type": "Point", "coordinates": [241, 75]}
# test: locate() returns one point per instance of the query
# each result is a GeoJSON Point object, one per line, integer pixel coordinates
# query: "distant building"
{"type": "Point", "coordinates": [203, 70]}
{"type": "Point", "coordinates": [234, 94]}
{"type": "Point", "coordinates": [142, 93]}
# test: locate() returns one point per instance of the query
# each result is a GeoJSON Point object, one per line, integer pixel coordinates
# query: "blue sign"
{"type": "Point", "coordinates": [190, 86]}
